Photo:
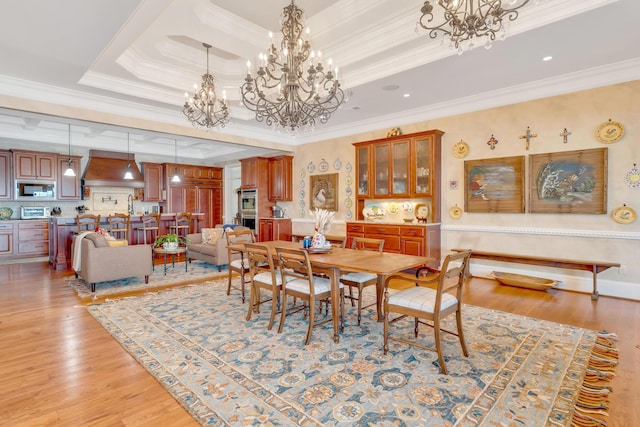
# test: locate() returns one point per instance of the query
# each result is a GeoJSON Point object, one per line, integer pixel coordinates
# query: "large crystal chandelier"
{"type": "Point", "coordinates": [291, 88]}
{"type": "Point", "coordinates": [200, 108]}
{"type": "Point", "coordinates": [466, 19]}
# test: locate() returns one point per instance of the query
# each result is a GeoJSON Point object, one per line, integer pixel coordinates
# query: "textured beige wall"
{"type": "Point", "coordinates": [574, 236]}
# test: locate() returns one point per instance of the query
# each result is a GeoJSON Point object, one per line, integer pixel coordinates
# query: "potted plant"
{"type": "Point", "coordinates": [170, 241]}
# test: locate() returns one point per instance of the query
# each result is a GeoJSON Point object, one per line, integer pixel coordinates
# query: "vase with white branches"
{"type": "Point", "coordinates": [323, 219]}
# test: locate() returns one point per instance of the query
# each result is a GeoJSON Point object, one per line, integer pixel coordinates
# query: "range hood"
{"type": "Point", "coordinates": [107, 169]}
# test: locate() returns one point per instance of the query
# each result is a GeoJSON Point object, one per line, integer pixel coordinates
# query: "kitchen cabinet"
{"type": "Point", "coordinates": [33, 238]}
{"type": "Point", "coordinates": [34, 165]}
{"type": "Point", "coordinates": [153, 181]}
{"type": "Point", "coordinates": [274, 229]}
{"type": "Point", "coordinates": [200, 191]}
{"type": "Point", "coordinates": [255, 176]}
{"type": "Point", "coordinates": [6, 177]}
{"type": "Point", "coordinates": [419, 240]}
{"type": "Point", "coordinates": [6, 239]}
{"type": "Point", "coordinates": [400, 167]}
{"type": "Point", "coordinates": [281, 179]}
{"type": "Point", "coordinates": [68, 187]}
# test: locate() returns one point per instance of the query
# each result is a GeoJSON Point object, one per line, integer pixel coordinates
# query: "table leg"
{"type": "Point", "coordinates": [334, 275]}
{"type": "Point", "coordinates": [595, 295]}
{"type": "Point", "coordinates": [165, 263]}
{"type": "Point", "coordinates": [380, 296]}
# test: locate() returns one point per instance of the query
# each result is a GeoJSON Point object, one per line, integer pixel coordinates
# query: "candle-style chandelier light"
{"type": "Point", "coordinates": [291, 88]}
{"type": "Point", "coordinates": [200, 108]}
{"type": "Point", "coordinates": [466, 19]}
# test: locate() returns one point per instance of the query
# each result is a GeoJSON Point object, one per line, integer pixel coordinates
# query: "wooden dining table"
{"type": "Point", "coordinates": [342, 259]}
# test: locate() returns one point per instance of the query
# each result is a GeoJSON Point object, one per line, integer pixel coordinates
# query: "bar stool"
{"type": "Point", "coordinates": [150, 225]}
{"type": "Point", "coordinates": [119, 225]}
{"type": "Point", "coordinates": [87, 222]}
{"type": "Point", "coordinates": [182, 225]}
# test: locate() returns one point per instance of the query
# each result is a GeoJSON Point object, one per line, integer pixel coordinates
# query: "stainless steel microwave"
{"type": "Point", "coordinates": [35, 190]}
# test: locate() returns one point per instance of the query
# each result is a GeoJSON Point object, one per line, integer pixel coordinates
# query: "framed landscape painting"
{"type": "Point", "coordinates": [569, 182]}
{"type": "Point", "coordinates": [494, 185]}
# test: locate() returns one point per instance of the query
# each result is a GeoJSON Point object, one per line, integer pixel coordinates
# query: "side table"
{"type": "Point", "coordinates": [173, 254]}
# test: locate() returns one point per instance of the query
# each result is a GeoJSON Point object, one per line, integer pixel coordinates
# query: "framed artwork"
{"type": "Point", "coordinates": [494, 185]}
{"type": "Point", "coordinates": [324, 192]}
{"type": "Point", "coordinates": [569, 182]}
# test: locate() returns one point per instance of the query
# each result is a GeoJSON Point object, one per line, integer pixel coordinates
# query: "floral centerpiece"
{"type": "Point", "coordinates": [323, 219]}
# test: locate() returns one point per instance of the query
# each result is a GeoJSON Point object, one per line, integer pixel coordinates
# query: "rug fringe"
{"type": "Point", "coordinates": [592, 404]}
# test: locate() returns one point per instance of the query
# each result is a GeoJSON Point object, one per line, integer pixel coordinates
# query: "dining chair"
{"type": "Point", "coordinates": [299, 281]}
{"type": "Point", "coordinates": [426, 304]}
{"type": "Point", "coordinates": [182, 224]}
{"type": "Point", "coordinates": [150, 225]}
{"type": "Point", "coordinates": [238, 263]}
{"type": "Point", "coordinates": [87, 222]}
{"type": "Point", "coordinates": [262, 275]}
{"type": "Point", "coordinates": [119, 224]}
{"type": "Point", "coordinates": [360, 280]}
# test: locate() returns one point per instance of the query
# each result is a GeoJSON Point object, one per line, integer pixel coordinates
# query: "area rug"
{"type": "Point", "coordinates": [225, 370]}
{"type": "Point", "coordinates": [198, 271]}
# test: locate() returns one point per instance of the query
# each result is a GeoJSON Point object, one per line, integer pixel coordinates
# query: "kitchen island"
{"type": "Point", "coordinates": [61, 232]}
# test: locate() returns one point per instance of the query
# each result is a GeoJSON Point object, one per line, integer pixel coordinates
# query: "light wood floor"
{"type": "Point", "coordinates": [58, 366]}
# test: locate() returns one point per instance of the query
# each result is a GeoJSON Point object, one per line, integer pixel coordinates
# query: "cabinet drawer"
{"type": "Point", "coordinates": [388, 230]}
{"type": "Point", "coordinates": [33, 248]}
{"type": "Point", "coordinates": [412, 231]}
{"type": "Point", "coordinates": [355, 228]}
{"type": "Point", "coordinates": [33, 234]}
{"type": "Point", "coordinates": [33, 225]}
{"type": "Point", "coordinates": [6, 226]}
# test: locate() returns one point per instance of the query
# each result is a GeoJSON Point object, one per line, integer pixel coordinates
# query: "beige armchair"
{"type": "Point", "coordinates": [215, 254]}
{"type": "Point", "coordinates": [100, 263]}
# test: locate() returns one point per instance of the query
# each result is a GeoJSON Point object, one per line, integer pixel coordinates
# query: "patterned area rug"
{"type": "Point", "coordinates": [198, 271]}
{"type": "Point", "coordinates": [227, 371]}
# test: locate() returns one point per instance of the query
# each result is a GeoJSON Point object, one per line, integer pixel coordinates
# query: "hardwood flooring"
{"type": "Point", "coordinates": [58, 366]}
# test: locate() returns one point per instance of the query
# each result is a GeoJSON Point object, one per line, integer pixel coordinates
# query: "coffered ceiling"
{"type": "Point", "coordinates": [136, 58]}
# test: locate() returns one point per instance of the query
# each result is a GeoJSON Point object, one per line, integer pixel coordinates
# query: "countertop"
{"type": "Point", "coordinates": [423, 224]}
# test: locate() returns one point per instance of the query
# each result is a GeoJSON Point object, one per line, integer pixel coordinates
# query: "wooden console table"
{"type": "Point", "coordinates": [594, 267]}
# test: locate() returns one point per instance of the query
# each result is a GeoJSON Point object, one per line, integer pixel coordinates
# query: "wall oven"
{"type": "Point", "coordinates": [249, 222]}
{"type": "Point", "coordinates": [248, 201]}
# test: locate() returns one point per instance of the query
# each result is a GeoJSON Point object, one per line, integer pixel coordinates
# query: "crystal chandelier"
{"type": "Point", "coordinates": [200, 109]}
{"type": "Point", "coordinates": [466, 19]}
{"type": "Point", "coordinates": [291, 88]}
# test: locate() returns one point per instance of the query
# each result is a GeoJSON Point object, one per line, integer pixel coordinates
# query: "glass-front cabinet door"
{"type": "Point", "coordinates": [362, 160]}
{"type": "Point", "coordinates": [423, 168]}
{"type": "Point", "coordinates": [400, 168]}
{"type": "Point", "coordinates": [381, 169]}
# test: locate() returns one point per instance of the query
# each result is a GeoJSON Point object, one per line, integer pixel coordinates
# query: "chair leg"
{"type": "Point", "coordinates": [415, 327]}
{"type": "Point", "coordinates": [242, 275]}
{"type": "Point", "coordinates": [359, 303]}
{"type": "Point", "coordinates": [351, 298]}
{"type": "Point", "coordinates": [385, 332]}
{"type": "Point", "coordinates": [342, 310]}
{"type": "Point", "coordinates": [311, 321]}
{"type": "Point", "coordinates": [251, 302]}
{"type": "Point", "coordinates": [274, 308]}
{"type": "Point", "coordinates": [229, 284]}
{"type": "Point", "coordinates": [461, 333]}
{"type": "Point", "coordinates": [436, 332]}
{"type": "Point", "coordinates": [283, 312]}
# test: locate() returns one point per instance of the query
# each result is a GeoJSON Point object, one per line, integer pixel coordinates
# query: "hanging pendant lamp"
{"type": "Point", "coordinates": [176, 177]}
{"type": "Point", "coordinates": [69, 171]}
{"type": "Point", "coordinates": [128, 174]}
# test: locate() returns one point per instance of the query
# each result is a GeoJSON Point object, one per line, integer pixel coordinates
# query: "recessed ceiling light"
{"type": "Point", "coordinates": [390, 87]}
{"type": "Point", "coordinates": [355, 107]}
{"type": "Point", "coordinates": [406, 95]}
{"type": "Point", "coordinates": [547, 58]}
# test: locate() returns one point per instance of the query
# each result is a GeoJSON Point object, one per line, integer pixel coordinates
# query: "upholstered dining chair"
{"type": "Point", "coordinates": [263, 275]}
{"type": "Point", "coordinates": [360, 280]}
{"type": "Point", "coordinates": [182, 225]}
{"type": "Point", "coordinates": [238, 263]}
{"type": "Point", "coordinates": [150, 226]}
{"type": "Point", "coordinates": [119, 224]}
{"type": "Point", "coordinates": [426, 304]}
{"type": "Point", "coordinates": [87, 222]}
{"type": "Point", "coordinates": [298, 281]}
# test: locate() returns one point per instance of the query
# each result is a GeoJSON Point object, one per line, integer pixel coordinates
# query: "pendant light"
{"type": "Point", "coordinates": [128, 174]}
{"type": "Point", "coordinates": [69, 171]}
{"type": "Point", "coordinates": [175, 178]}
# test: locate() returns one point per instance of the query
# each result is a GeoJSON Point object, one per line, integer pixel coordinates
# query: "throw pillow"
{"type": "Point", "coordinates": [117, 243]}
{"type": "Point", "coordinates": [211, 235]}
{"type": "Point", "coordinates": [98, 240]}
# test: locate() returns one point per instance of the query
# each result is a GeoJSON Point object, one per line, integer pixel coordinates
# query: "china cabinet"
{"type": "Point", "coordinates": [400, 167]}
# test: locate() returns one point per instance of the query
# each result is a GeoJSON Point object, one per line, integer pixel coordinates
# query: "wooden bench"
{"type": "Point", "coordinates": [594, 267]}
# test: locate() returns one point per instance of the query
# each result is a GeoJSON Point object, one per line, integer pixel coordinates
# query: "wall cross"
{"type": "Point", "coordinates": [565, 135]}
{"type": "Point", "coordinates": [528, 137]}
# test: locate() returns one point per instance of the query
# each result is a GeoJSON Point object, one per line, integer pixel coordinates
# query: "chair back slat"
{"type": "Point", "coordinates": [368, 244]}
{"type": "Point", "coordinates": [87, 222]}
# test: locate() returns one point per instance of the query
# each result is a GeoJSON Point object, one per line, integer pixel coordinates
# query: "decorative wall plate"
{"type": "Point", "coordinates": [610, 132]}
{"type": "Point", "coordinates": [323, 166]}
{"type": "Point", "coordinates": [311, 167]}
{"type": "Point", "coordinates": [623, 215]}
{"type": "Point", "coordinates": [302, 173]}
{"type": "Point", "coordinates": [455, 212]}
{"type": "Point", "coordinates": [348, 180]}
{"type": "Point", "coordinates": [337, 164]}
{"type": "Point", "coordinates": [5, 213]}
{"type": "Point", "coordinates": [393, 208]}
{"type": "Point", "coordinates": [632, 178]}
{"type": "Point", "coordinates": [461, 149]}
{"type": "Point", "coordinates": [373, 212]}
{"type": "Point", "coordinates": [348, 167]}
